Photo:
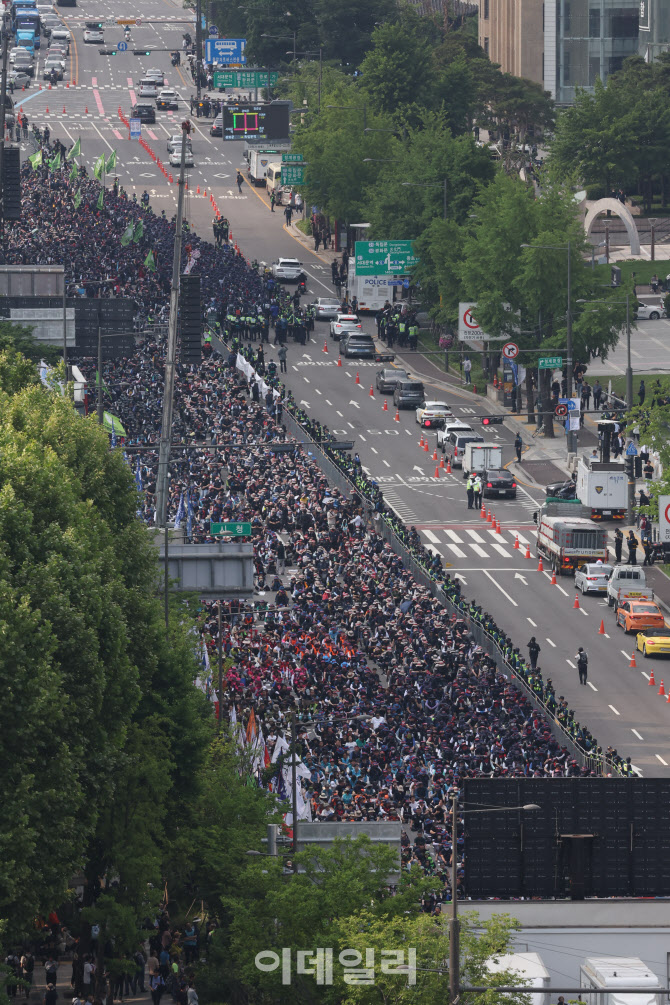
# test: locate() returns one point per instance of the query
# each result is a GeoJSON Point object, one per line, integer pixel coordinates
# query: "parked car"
{"type": "Point", "coordinates": [387, 379]}
{"type": "Point", "coordinates": [634, 615]}
{"type": "Point", "coordinates": [433, 414]}
{"type": "Point", "coordinates": [653, 642]}
{"type": "Point", "coordinates": [498, 483]}
{"type": "Point", "coordinates": [216, 128]}
{"type": "Point", "coordinates": [357, 344]}
{"type": "Point", "coordinates": [288, 269]}
{"type": "Point", "coordinates": [649, 312]}
{"type": "Point", "coordinates": [344, 323]}
{"type": "Point", "coordinates": [409, 394]}
{"type": "Point", "coordinates": [593, 577]}
{"type": "Point", "coordinates": [325, 308]}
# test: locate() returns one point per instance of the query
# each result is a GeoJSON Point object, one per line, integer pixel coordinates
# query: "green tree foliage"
{"type": "Point", "coordinates": [20, 338]}
{"type": "Point", "coordinates": [399, 70]}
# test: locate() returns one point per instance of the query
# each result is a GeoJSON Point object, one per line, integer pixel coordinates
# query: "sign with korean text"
{"type": "Point", "coordinates": [468, 326]}
{"type": "Point", "coordinates": [244, 78]}
{"type": "Point", "coordinates": [225, 50]}
{"type": "Point", "coordinates": [290, 158]}
{"type": "Point", "coordinates": [231, 528]}
{"type": "Point", "coordinates": [550, 362]}
{"type": "Point", "coordinates": [377, 258]}
{"type": "Point", "coordinates": [292, 174]}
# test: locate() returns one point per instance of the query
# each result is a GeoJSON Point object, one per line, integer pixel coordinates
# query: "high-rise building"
{"type": "Point", "coordinates": [511, 33]}
{"type": "Point", "coordinates": [654, 28]}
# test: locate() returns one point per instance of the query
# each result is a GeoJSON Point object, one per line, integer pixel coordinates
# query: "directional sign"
{"type": "Point", "coordinates": [664, 518]}
{"type": "Point", "coordinates": [376, 258]}
{"type": "Point", "coordinates": [127, 21]}
{"type": "Point", "coordinates": [631, 450]}
{"type": "Point", "coordinates": [510, 350]}
{"type": "Point", "coordinates": [232, 529]}
{"type": "Point", "coordinates": [288, 158]}
{"type": "Point", "coordinates": [225, 50]}
{"type": "Point", "coordinates": [213, 30]}
{"type": "Point", "coordinates": [122, 46]}
{"type": "Point", "coordinates": [468, 328]}
{"type": "Point", "coordinates": [244, 78]}
{"type": "Point", "coordinates": [550, 362]}
{"type": "Point", "coordinates": [561, 410]}
{"type": "Point", "coordinates": [135, 129]}
{"type": "Point", "coordinates": [292, 174]}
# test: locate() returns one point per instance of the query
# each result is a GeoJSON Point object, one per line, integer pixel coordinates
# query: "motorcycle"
{"type": "Point", "coordinates": [176, 59]}
{"type": "Point", "coordinates": [302, 287]}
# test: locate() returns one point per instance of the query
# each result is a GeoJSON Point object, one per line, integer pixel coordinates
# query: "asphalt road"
{"type": "Point", "coordinates": [617, 704]}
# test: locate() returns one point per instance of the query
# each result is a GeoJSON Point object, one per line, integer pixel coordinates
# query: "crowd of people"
{"type": "Point", "coordinates": [392, 666]}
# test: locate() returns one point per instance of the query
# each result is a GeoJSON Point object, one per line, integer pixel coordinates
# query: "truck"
{"type": "Point", "coordinates": [609, 973]}
{"type": "Point", "coordinates": [530, 970]}
{"type": "Point", "coordinates": [567, 536]}
{"type": "Point", "coordinates": [480, 456]}
{"type": "Point", "coordinates": [26, 40]}
{"type": "Point", "coordinates": [602, 486]}
{"type": "Point", "coordinates": [259, 161]}
{"type": "Point", "coordinates": [627, 582]}
{"type": "Point", "coordinates": [371, 292]}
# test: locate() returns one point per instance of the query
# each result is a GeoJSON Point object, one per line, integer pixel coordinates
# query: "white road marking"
{"type": "Point", "coordinates": [614, 710]}
{"type": "Point", "coordinates": [637, 734]}
{"type": "Point", "coordinates": [363, 438]}
{"type": "Point", "coordinates": [478, 550]}
{"type": "Point", "coordinates": [432, 537]}
{"type": "Point", "coordinates": [585, 613]}
{"type": "Point", "coordinates": [454, 536]}
{"type": "Point", "coordinates": [571, 664]}
{"type": "Point", "coordinates": [644, 674]}
{"type": "Point", "coordinates": [386, 463]}
{"type": "Point", "coordinates": [475, 536]}
{"type": "Point", "coordinates": [664, 763]}
{"type": "Point", "coordinates": [622, 651]}
{"type": "Point", "coordinates": [350, 424]}
{"type": "Point", "coordinates": [374, 452]}
{"type": "Point", "coordinates": [456, 550]}
{"type": "Point", "coordinates": [317, 390]}
{"type": "Point", "coordinates": [532, 622]}
{"type": "Point", "coordinates": [504, 592]}
{"type": "Point", "coordinates": [499, 548]}
{"type": "Point", "coordinates": [552, 644]}
{"type": "Point", "coordinates": [591, 686]}
{"type": "Point", "coordinates": [522, 539]}
{"type": "Point", "coordinates": [341, 416]}
{"type": "Point", "coordinates": [328, 402]}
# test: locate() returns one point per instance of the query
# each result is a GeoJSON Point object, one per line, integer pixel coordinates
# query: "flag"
{"type": "Point", "coordinates": [74, 150]}
{"type": "Point", "coordinates": [72, 177]}
{"type": "Point", "coordinates": [189, 518]}
{"type": "Point", "coordinates": [101, 199]}
{"type": "Point", "coordinates": [138, 232]}
{"type": "Point", "coordinates": [127, 235]}
{"type": "Point", "coordinates": [113, 437]}
{"type": "Point", "coordinates": [180, 512]}
{"type": "Point", "coordinates": [138, 476]}
{"type": "Point", "coordinates": [36, 160]}
{"type": "Point", "coordinates": [150, 262]}
{"type": "Point", "coordinates": [77, 199]}
{"type": "Point", "coordinates": [54, 163]}
{"type": "Point", "coordinates": [111, 162]}
{"type": "Point", "coordinates": [99, 166]}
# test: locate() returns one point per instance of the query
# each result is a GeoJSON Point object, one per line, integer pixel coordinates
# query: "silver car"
{"type": "Point", "coordinates": [649, 312]}
{"type": "Point", "coordinates": [288, 269]}
{"type": "Point", "coordinates": [593, 577]}
{"type": "Point", "coordinates": [326, 308]}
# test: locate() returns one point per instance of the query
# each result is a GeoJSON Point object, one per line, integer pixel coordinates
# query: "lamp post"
{"type": "Point", "coordinates": [313, 53]}
{"type": "Point", "coordinates": [292, 35]}
{"type": "Point", "coordinates": [454, 924]}
{"type": "Point", "coordinates": [653, 221]}
{"type": "Point", "coordinates": [354, 108]}
{"type": "Point", "coordinates": [442, 185]}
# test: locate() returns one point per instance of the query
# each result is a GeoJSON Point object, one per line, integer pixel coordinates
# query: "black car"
{"type": "Point", "coordinates": [409, 394]}
{"type": "Point", "coordinates": [216, 129]}
{"type": "Point", "coordinates": [357, 345]}
{"type": "Point", "coordinates": [562, 490]}
{"type": "Point", "coordinates": [145, 113]}
{"type": "Point", "coordinates": [387, 379]}
{"type": "Point", "coordinates": [497, 483]}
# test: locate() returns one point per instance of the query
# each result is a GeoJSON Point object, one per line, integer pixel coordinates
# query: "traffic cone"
{"type": "Point", "coordinates": [435, 454]}
{"type": "Point", "coordinates": [633, 664]}
{"type": "Point", "coordinates": [495, 379]}
{"type": "Point", "coordinates": [540, 567]}
{"type": "Point", "coordinates": [358, 379]}
{"type": "Point", "coordinates": [49, 86]}
{"type": "Point", "coordinates": [197, 191]}
{"type": "Point", "coordinates": [498, 530]}
{"type": "Point", "coordinates": [488, 516]}
{"type": "Point", "coordinates": [516, 543]}
{"type": "Point", "coordinates": [339, 361]}
{"type": "Point", "coordinates": [47, 112]}
{"type": "Point", "coordinates": [661, 689]}
{"type": "Point", "coordinates": [553, 577]}
{"type": "Point", "coordinates": [442, 462]}
{"type": "Point", "coordinates": [421, 441]}
{"type": "Point", "coordinates": [482, 512]}
{"type": "Point", "coordinates": [667, 697]}
{"type": "Point", "coordinates": [652, 682]}
{"type": "Point", "coordinates": [205, 193]}
{"type": "Point", "coordinates": [372, 393]}
{"type": "Point", "coordinates": [325, 347]}
{"type": "Point", "coordinates": [437, 471]}
{"type": "Point", "coordinates": [448, 466]}
{"type": "Point", "coordinates": [86, 110]}
{"type": "Point", "coordinates": [385, 406]}
{"type": "Point", "coordinates": [425, 445]}
{"type": "Point", "coordinates": [396, 417]}
{"type": "Point", "coordinates": [527, 555]}
{"type": "Point", "coordinates": [601, 630]}
{"type": "Point", "coordinates": [67, 85]}
{"type": "Point", "coordinates": [64, 112]}
{"type": "Point", "coordinates": [575, 606]}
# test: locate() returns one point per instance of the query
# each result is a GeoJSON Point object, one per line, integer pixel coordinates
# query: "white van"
{"type": "Point", "coordinates": [273, 178]}
{"type": "Point", "coordinates": [148, 88]}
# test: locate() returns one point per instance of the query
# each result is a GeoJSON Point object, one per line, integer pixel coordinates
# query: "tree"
{"type": "Point", "coordinates": [399, 70]}
{"type": "Point", "coordinates": [348, 26]}
{"type": "Point", "coordinates": [20, 338]}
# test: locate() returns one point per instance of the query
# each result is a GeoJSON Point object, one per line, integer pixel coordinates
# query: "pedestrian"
{"type": "Point", "coordinates": [157, 986]}
{"type": "Point", "coordinates": [632, 543]}
{"type": "Point", "coordinates": [272, 202]}
{"type": "Point", "coordinates": [50, 970]}
{"type": "Point", "coordinates": [317, 239]}
{"type": "Point", "coordinates": [288, 215]}
{"type": "Point", "coordinates": [239, 181]}
{"type": "Point", "coordinates": [192, 994]}
{"type": "Point", "coordinates": [27, 968]}
{"type": "Point", "coordinates": [467, 367]}
{"type": "Point", "coordinates": [533, 652]}
{"type": "Point", "coordinates": [597, 394]}
{"type": "Point", "coordinates": [582, 665]}
{"type": "Point", "coordinates": [641, 392]}
{"type": "Point", "coordinates": [618, 543]}
{"type": "Point", "coordinates": [470, 489]}
{"type": "Point", "coordinates": [478, 491]}
{"type": "Point", "coordinates": [50, 995]}
{"type": "Point", "coordinates": [518, 446]}
{"type": "Point", "coordinates": [140, 963]}
{"type": "Point", "coordinates": [648, 552]}
{"type": "Point", "coordinates": [281, 354]}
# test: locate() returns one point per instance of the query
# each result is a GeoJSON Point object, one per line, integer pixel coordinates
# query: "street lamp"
{"type": "Point", "coordinates": [292, 35]}
{"type": "Point", "coordinates": [355, 108]}
{"type": "Point", "coordinates": [311, 53]}
{"type": "Point", "coordinates": [454, 924]}
{"type": "Point", "coordinates": [572, 435]}
{"type": "Point", "coordinates": [653, 220]}
{"type": "Point", "coordinates": [442, 184]}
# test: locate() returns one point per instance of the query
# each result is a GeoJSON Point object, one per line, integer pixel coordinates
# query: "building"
{"type": "Point", "coordinates": [567, 44]}
{"type": "Point", "coordinates": [654, 28]}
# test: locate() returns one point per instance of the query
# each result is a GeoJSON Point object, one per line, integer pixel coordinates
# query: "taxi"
{"type": "Point", "coordinates": [653, 642]}
{"type": "Point", "coordinates": [635, 615]}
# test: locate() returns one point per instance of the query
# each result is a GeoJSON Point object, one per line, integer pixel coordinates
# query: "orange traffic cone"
{"type": "Point", "coordinates": [197, 191]}
{"type": "Point", "coordinates": [633, 664]}
{"type": "Point", "coordinates": [396, 417]}
{"type": "Point", "coordinates": [498, 530]}
{"type": "Point", "coordinates": [205, 193]}
{"type": "Point", "coordinates": [667, 697]}
{"type": "Point", "coordinates": [47, 112]}
{"type": "Point", "coordinates": [86, 110]}
{"type": "Point", "coordinates": [488, 516]}
{"type": "Point", "coordinates": [64, 112]}
{"type": "Point", "coordinates": [448, 466]}
{"type": "Point", "coordinates": [421, 441]}
{"type": "Point", "coordinates": [652, 682]}
{"type": "Point", "coordinates": [435, 454]}
{"type": "Point", "coordinates": [372, 393]}
{"type": "Point", "coordinates": [442, 462]}
{"type": "Point", "coordinates": [49, 86]}
{"type": "Point", "coordinates": [358, 379]}
{"type": "Point", "coordinates": [527, 555]}
{"type": "Point", "coordinates": [385, 406]}
{"type": "Point", "coordinates": [425, 445]}
{"type": "Point", "coordinates": [516, 543]}
{"type": "Point", "coordinates": [325, 346]}
{"type": "Point", "coordinates": [661, 689]}
{"type": "Point", "coordinates": [339, 361]}
{"type": "Point", "coordinates": [575, 606]}
{"type": "Point", "coordinates": [482, 512]}
{"type": "Point", "coordinates": [601, 630]}
{"type": "Point", "coordinates": [437, 471]}
{"type": "Point", "coordinates": [540, 567]}
{"type": "Point", "coordinates": [553, 577]}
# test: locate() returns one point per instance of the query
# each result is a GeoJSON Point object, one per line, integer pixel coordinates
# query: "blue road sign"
{"type": "Point", "coordinates": [122, 46]}
{"type": "Point", "coordinates": [572, 404]}
{"type": "Point", "coordinates": [135, 129]}
{"type": "Point", "coordinates": [405, 283]}
{"type": "Point", "coordinates": [631, 450]}
{"type": "Point", "coordinates": [225, 50]}
{"type": "Point", "coordinates": [213, 30]}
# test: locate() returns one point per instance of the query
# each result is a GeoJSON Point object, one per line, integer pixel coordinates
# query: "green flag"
{"type": "Point", "coordinates": [54, 163]}
{"type": "Point", "coordinates": [75, 150]}
{"type": "Point", "coordinates": [77, 199]}
{"type": "Point", "coordinates": [99, 166]}
{"type": "Point", "coordinates": [127, 235]}
{"type": "Point", "coordinates": [138, 232]}
{"type": "Point", "coordinates": [111, 162]}
{"type": "Point", "coordinates": [150, 262]}
{"type": "Point", "coordinates": [101, 198]}
{"type": "Point", "coordinates": [36, 159]}
{"type": "Point", "coordinates": [73, 174]}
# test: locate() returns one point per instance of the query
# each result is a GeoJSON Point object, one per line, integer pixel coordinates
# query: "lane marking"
{"type": "Point", "coordinates": [591, 686]}
{"type": "Point", "coordinates": [614, 710]}
{"type": "Point", "coordinates": [384, 461]}
{"type": "Point", "coordinates": [504, 592]}
{"type": "Point", "coordinates": [478, 550]}
{"type": "Point", "coordinates": [623, 653]}
{"type": "Point", "coordinates": [532, 622]}
{"type": "Point", "coordinates": [431, 537]}
{"type": "Point", "coordinates": [664, 763]}
{"type": "Point", "coordinates": [552, 644]}
{"type": "Point", "coordinates": [571, 664]}
{"type": "Point", "coordinates": [637, 734]}
{"type": "Point", "coordinates": [644, 674]}
{"type": "Point", "coordinates": [454, 536]}
{"type": "Point", "coordinates": [456, 550]}
{"type": "Point", "coordinates": [499, 548]}
{"type": "Point", "coordinates": [475, 536]}
{"type": "Point", "coordinates": [585, 613]}
{"type": "Point", "coordinates": [341, 416]}
{"type": "Point", "coordinates": [374, 452]}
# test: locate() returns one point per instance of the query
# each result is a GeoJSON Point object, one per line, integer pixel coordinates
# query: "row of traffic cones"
{"type": "Point", "coordinates": [661, 689]}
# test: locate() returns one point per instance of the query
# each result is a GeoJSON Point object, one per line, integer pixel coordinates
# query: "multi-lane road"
{"type": "Point", "coordinates": [617, 704]}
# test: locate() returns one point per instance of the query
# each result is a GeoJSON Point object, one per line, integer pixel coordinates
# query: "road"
{"type": "Point", "coordinates": [617, 704]}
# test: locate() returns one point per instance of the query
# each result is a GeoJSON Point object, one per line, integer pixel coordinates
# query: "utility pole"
{"type": "Point", "coordinates": [101, 414]}
{"type": "Point", "coordinates": [454, 947]}
{"type": "Point", "coordinates": [198, 47]}
{"type": "Point", "coordinates": [3, 98]}
{"type": "Point", "coordinates": [294, 790]}
{"type": "Point", "coordinates": [171, 353]}
{"type": "Point", "coordinates": [572, 435]}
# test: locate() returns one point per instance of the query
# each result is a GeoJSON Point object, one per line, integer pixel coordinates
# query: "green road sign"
{"type": "Point", "coordinates": [384, 257]}
{"type": "Point", "coordinates": [292, 174]}
{"type": "Point", "coordinates": [244, 78]}
{"type": "Point", "coordinates": [292, 158]}
{"type": "Point", "coordinates": [550, 362]}
{"type": "Point", "coordinates": [232, 529]}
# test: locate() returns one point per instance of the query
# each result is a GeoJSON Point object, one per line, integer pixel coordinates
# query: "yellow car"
{"type": "Point", "coordinates": [654, 642]}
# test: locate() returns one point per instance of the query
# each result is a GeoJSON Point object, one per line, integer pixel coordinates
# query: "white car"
{"type": "Point", "coordinates": [593, 577]}
{"type": "Point", "coordinates": [148, 89]}
{"type": "Point", "coordinates": [60, 32]}
{"type": "Point", "coordinates": [433, 413]}
{"type": "Point", "coordinates": [326, 307]}
{"type": "Point", "coordinates": [23, 55]}
{"type": "Point", "coordinates": [156, 75]}
{"type": "Point", "coordinates": [450, 426]}
{"type": "Point", "coordinates": [289, 269]}
{"type": "Point", "coordinates": [175, 158]}
{"type": "Point", "coordinates": [174, 143]}
{"type": "Point", "coordinates": [93, 35]}
{"type": "Point", "coordinates": [650, 312]}
{"type": "Point", "coordinates": [343, 324]}
{"type": "Point", "coordinates": [167, 98]}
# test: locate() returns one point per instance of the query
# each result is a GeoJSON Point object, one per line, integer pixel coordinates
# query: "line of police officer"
{"type": "Point", "coordinates": [395, 324]}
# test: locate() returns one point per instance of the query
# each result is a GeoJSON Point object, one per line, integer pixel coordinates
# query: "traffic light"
{"type": "Point", "coordinates": [630, 461]}
{"type": "Point", "coordinates": [492, 420]}
{"type": "Point", "coordinates": [141, 52]}
{"type": "Point", "coordinates": [190, 319]}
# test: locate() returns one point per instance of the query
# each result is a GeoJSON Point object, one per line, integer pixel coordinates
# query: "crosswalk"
{"type": "Point", "coordinates": [484, 543]}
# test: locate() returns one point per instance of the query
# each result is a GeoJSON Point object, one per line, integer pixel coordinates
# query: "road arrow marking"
{"type": "Point", "coordinates": [355, 404]}
{"type": "Point", "coordinates": [463, 580]}
{"type": "Point", "coordinates": [305, 403]}
{"type": "Point", "coordinates": [417, 468]}
{"type": "Point", "coordinates": [517, 575]}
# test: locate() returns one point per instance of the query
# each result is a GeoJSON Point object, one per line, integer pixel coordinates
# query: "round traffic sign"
{"type": "Point", "coordinates": [122, 46]}
{"type": "Point", "coordinates": [561, 410]}
{"type": "Point", "coordinates": [469, 321]}
{"type": "Point", "coordinates": [667, 514]}
{"type": "Point", "coordinates": [138, 23]}
{"type": "Point", "coordinates": [510, 350]}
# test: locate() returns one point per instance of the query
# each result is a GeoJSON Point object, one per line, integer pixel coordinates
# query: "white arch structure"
{"type": "Point", "coordinates": [618, 208]}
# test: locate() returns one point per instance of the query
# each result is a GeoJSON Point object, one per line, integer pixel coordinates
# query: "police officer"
{"type": "Point", "coordinates": [477, 487]}
{"type": "Point", "coordinates": [518, 446]}
{"type": "Point", "coordinates": [533, 652]}
{"type": "Point", "coordinates": [582, 664]}
{"type": "Point", "coordinates": [470, 489]}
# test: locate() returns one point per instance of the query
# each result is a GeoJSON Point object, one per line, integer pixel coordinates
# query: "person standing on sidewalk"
{"type": "Point", "coordinates": [618, 543]}
{"type": "Point", "coordinates": [467, 367]}
{"type": "Point", "coordinates": [582, 665]}
{"type": "Point", "coordinates": [282, 359]}
{"type": "Point", "coordinates": [518, 446]}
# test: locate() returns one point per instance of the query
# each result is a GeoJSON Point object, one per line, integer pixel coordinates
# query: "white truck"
{"type": "Point", "coordinates": [480, 456]}
{"type": "Point", "coordinates": [602, 486]}
{"type": "Point", "coordinates": [609, 973]}
{"type": "Point", "coordinates": [530, 971]}
{"type": "Point", "coordinates": [567, 538]}
{"type": "Point", "coordinates": [259, 161]}
{"type": "Point", "coordinates": [627, 582]}
{"type": "Point", "coordinates": [371, 292]}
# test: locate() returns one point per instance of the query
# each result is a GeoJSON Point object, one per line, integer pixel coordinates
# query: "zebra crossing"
{"type": "Point", "coordinates": [466, 542]}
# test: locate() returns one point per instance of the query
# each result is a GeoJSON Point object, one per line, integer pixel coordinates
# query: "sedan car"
{"type": "Point", "coordinates": [19, 78]}
{"type": "Point", "coordinates": [649, 312]}
{"type": "Point", "coordinates": [497, 483]}
{"type": "Point", "coordinates": [174, 142]}
{"type": "Point", "coordinates": [158, 76]}
{"type": "Point", "coordinates": [20, 54]}
{"type": "Point", "coordinates": [653, 642]}
{"type": "Point", "coordinates": [634, 615]}
{"type": "Point", "coordinates": [25, 66]}
{"type": "Point", "coordinates": [53, 66]}
{"type": "Point", "coordinates": [433, 414]}
{"type": "Point", "coordinates": [216, 128]}
{"type": "Point", "coordinates": [61, 32]}
{"type": "Point", "coordinates": [167, 98]}
{"type": "Point", "coordinates": [145, 113]}
{"type": "Point", "coordinates": [175, 158]}
{"type": "Point", "coordinates": [94, 35]}
{"type": "Point", "coordinates": [288, 269]}
{"type": "Point", "coordinates": [344, 323]}
{"type": "Point", "coordinates": [355, 344]}
{"type": "Point", "coordinates": [562, 490]}
{"type": "Point", "coordinates": [387, 379]}
{"type": "Point", "coordinates": [326, 308]}
{"type": "Point", "coordinates": [593, 577]}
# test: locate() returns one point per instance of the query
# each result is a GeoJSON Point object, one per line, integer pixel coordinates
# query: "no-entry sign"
{"type": "Point", "coordinates": [664, 518]}
{"type": "Point", "coordinates": [561, 410]}
{"type": "Point", "coordinates": [510, 350]}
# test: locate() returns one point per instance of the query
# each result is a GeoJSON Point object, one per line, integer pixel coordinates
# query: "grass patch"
{"type": "Point", "coordinates": [643, 270]}
{"type": "Point", "coordinates": [619, 384]}
{"type": "Point", "coordinates": [306, 227]}
{"type": "Point", "coordinates": [428, 343]}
